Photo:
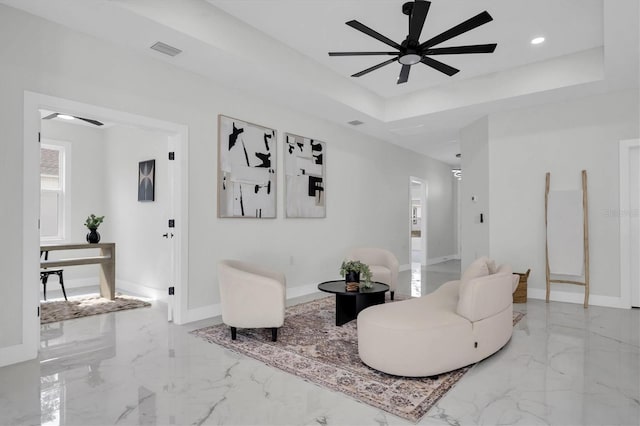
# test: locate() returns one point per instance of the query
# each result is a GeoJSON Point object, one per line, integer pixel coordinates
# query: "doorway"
{"type": "Point", "coordinates": [629, 214]}
{"type": "Point", "coordinates": [177, 140]}
{"type": "Point", "coordinates": [418, 234]}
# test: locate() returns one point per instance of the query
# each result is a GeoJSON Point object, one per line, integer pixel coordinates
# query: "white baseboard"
{"type": "Point", "coordinates": [301, 290]}
{"type": "Point", "coordinates": [441, 259]}
{"type": "Point", "coordinates": [15, 354]}
{"type": "Point", "coordinates": [139, 289]}
{"type": "Point", "coordinates": [201, 313]}
{"type": "Point", "coordinates": [432, 261]}
{"type": "Point", "coordinates": [210, 311]}
{"type": "Point", "coordinates": [75, 283]}
{"type": "Point", "coordinates": [567, 297]}
{"type": "Point", "coordinates": [142, 290]}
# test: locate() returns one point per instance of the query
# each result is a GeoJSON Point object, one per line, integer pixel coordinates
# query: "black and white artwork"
{"type": "Point", "coordinates": [246, 169]}
{"type": "Point", "coordinates": [304, 164]}
{"type": "Point", "coordinates": [146, 180]}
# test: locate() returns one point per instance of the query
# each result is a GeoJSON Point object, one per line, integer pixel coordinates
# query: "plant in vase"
{"type": "Point", "coordinates": [92, 223]}
{"type": "Point", "coordinates": [353, 271]}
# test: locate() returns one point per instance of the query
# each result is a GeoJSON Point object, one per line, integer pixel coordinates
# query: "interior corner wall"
{"type": "Point", "coordinates": [441, 218]}
{"type": "Point", "coordinates": [456, 201]}
{"type": "Point", "coordinates": [563, 139]}
{"type": "Point", "coordinates": [474, 191]}
{"type": "Point", "coordinates": [367, 179]}
{"type": "Point", "coordinates": [86, 190]}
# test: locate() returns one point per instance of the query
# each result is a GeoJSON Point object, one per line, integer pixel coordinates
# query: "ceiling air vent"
{"type": "Point", "coordinates": [166, 49]}
{"type": "Point", "coordinates": [355, 122]}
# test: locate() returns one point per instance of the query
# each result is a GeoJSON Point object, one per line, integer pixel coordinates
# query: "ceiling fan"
{"type": "Point", "coordinates": [411, 51]}
{"type": "Point", "coordinates": [88, 120]}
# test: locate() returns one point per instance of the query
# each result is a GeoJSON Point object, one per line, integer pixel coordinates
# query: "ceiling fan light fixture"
{"type": "Point", "coordinates": [409, 59]}
{"type": "Point", "coordinates": [537, 40]}
{"type": "Point", "coordinates": [66, 117]}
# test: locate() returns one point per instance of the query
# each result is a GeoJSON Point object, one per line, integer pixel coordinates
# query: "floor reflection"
{"type": "Point", "coordinates": [64, 358]}
{"type": "Point", "coordinates": [416, 279]}
{"type": "Point", "coordinates": [425, 279]}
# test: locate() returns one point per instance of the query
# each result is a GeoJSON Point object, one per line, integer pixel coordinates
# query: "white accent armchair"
{"type": "Point", "coordinates": [251, 296]}
{"type": "Point", "coordinates": [382, 263]}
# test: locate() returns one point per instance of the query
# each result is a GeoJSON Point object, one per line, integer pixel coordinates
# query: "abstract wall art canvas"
{"type": "Point", "coordinates": [146, 180]}
{"type": "Point", "coordinates": [305, 168]}
{"type": "Point", "coordinates": [246, 169]}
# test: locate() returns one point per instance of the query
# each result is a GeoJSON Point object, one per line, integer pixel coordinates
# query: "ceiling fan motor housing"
{"type": "Point", "coordinates": [407, 8]}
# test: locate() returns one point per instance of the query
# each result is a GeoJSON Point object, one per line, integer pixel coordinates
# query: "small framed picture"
{"type": "Point", "coordinates": [146, 180]}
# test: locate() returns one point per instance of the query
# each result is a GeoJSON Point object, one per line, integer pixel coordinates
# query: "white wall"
{"type": "Point", "coordinates": [441, 211]}
{"type": "Point", "coordinates": [562, 139]}
{"type": "Point", "coordinates": [457, 199]}
{"type": "Point", "coordinates": [367, 192]}
{"type": "Point", "coordinates": [86, 190]}
{"type": "Point", "coordinates": [474, 146]}
{"type": "Point", "coordinates": [137, 227]}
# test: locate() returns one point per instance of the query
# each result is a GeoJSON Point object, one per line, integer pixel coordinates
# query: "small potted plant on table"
{"type": "Point", "coordinates": [92, 222]}
{"type": "Point", "coordinates": [353, 271]}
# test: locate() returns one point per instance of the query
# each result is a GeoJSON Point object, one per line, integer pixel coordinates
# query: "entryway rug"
{"type": "Point", "coordinates": [311, 346]}
{"type": "Point", "coordinates": [82, 306]}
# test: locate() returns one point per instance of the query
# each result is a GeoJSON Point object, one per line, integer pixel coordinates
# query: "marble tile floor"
{"type": "Point", "coordinates": [563, 366]}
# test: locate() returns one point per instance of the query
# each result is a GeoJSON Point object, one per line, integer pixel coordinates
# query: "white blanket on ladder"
{"type": "Point", "coordinates": [565, 232]}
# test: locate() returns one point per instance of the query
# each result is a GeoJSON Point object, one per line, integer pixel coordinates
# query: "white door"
{"type": "Point", "coordinates": [147, 244]}
{"type": "Point", "coordinates": [629, 217]}
{"type": "Point", "coordinates": [634, 224]}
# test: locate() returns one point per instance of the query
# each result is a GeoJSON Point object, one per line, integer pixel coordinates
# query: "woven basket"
{"type": "Point", "coordinates": [520, 295]}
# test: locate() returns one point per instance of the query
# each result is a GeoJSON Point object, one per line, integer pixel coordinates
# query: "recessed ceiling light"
{"type": "Point", "coordinates": [65, 117]}
{"type": "Point", "coordinates": [537, 40]}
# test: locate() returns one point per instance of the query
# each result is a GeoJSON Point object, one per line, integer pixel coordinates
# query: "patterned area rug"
{"type": "Point", "coordinates": [311, 346]}
{"type": "Point", "coordinates": [83, 306]}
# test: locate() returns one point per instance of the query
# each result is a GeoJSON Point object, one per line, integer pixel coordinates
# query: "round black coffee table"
{"type": "Point", "coordinates": [350, 303]}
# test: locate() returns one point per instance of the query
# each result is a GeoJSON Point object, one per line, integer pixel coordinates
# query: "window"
{"type": "Point", "coordinates": [53, 196]}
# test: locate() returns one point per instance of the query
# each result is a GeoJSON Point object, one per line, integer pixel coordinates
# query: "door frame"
{"type": "Point", "coordinates": [178, 139]}
{"type": "Point", "coordinates": [625, 221]}
{"type": "Point", "coordinates": [424, 191]}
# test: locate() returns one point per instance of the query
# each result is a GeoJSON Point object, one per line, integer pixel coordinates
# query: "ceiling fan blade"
{"type": "Point", "coordinates": [88, 120]}
{"type": "Point", "coordinates": [468, 25]}
{"type": "Point", "coordinates": [404, 74]}
{"type": "Point", "coordinates": [373, 68]}
{"type": "Point", "coordinates": [417, 18]}
{"type": "Point", "coordinates": [476, 48]}
{"type": "Point", "coordinates": [444, 68]}
{"type": "Point", "coordinates": [362, 53]}
{"type": "Point", "coordinates": [50, 116]}
{"type": "Point", "coordinates": [372, 33]}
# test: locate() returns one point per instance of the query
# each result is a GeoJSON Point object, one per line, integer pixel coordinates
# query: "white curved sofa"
{"type": "Point", "coordinates": [251, 296]}
{"type": "Point", "coordinates": [461, 323]}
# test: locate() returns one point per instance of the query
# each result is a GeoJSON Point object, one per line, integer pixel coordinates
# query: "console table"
{"type": "Point", "coordinates": [106, 259]}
